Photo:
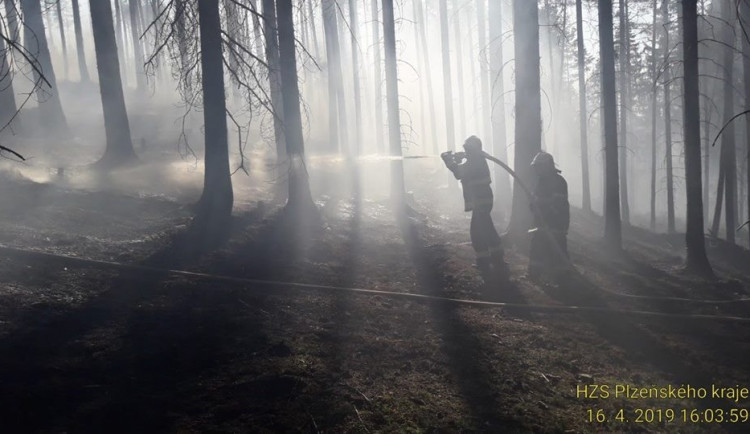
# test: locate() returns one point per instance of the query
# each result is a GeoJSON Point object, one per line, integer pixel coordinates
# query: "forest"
{"type": "Point", "coordinates": [374, 216]}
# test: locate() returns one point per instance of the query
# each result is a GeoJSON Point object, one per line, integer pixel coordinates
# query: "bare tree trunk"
{"type": "Point", "coordinates": [354, 29]}
{"type": "Point", "coordinates": [548, 141]}
{"type": "Point", "coordinates": [116, 125]}
{"type": "Point", "coordinates": [394, 117]}
{"type": "Point", "coordinates": [300, 200]}
{"type": "Point", "coordinates": [728, 136]}
{"type": "Point", "coordinates": [528, 133]}
{"type": "Point", "coordinates": [140, 73]}
{"type": "Point", "coordinates": [420, 16]}
{"type": "Point", "coordinates": [447, 79]}
{"type": "Point", "coordinates": [257, 31]}
{"type": "Point", "coordinates": [459, 74]}
{"type": "Point", "coordinates": [624, 107]}
{"type": "Point", "coordinates": [274, 80]}
{"type": "Point", "coordinates": [745, 16]}
{"type": "Point", "coordinates": [498, 100]}
{"type": "Point", "coordinates": [50, 109]}
{"type": "Point", "coordinates": [653, 117]}
{"type": "Point", "coordinates": [694, 239]}
{"type": "Point", "coordinates": [215, 208]}
{"type": "Point", "coordinates": [716, 222]}
{"type": "Point", "coordinates": [337, 104]}
{"type": "Point", "coordinates": [8, 107]}
{"type": "Point", "coordinates": [82, 67]}
{"type": "Point", "coordinates": [583, 116]}
{"type": "Point", "coordinates": [668, 120]}
{"type": "Point", "coordinates": [377, 64]}
{"type": "Point", "coordinates": [12, 18]}
{"type": "Point", "coordinates": [313, 30]}
{"type": "Point", "coordinates": [612, 222]}
{"type": "Point", "coordinates": [706, 162]}
{"type": "Point", "coordinates": [486, 104]}
{"type": "Point", "coordinates": [61, 25]}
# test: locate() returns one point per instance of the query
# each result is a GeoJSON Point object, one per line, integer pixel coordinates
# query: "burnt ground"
{"type": "Point", "coordinates": [91, 348]}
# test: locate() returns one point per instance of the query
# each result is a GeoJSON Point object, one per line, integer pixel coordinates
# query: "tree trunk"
{"type": "Point", "coordinates": [459, 74]}
{"type": "Point", "coordinates": [586, 189]}
{"type": "Point", "coordinates": [486, 103]}
{"type": "Point", "coordinates": [728, 136]}
{"type": "Point", "coordinates": [447, 80]}
{"type": "Point", "coordinates": [8, 107]}
{"type": "Point", "coordinates": [50, 109]}
{"type": "Point", "coordinates": [135, 34]}
{"type": "Point", "coordinates": [694, 239]}
{"type": "Point", "coordinates": [274, 79]}
{"type": "Point", "coordinates": [668, 121]}
{"type": "Point", "coordinates": [300, 200]}
{"type": "Point", "coordinates": [354, 29]}
{"type": "Point", "coordinates": [215, 207]}
{"type": "Point", "coordinates": [706, 162]}
{"type": "Point", "coordinates": [745, 14]}
{"type": "Point", "coordinates": [116, 125]}
{"type": "Point", "coordinates": [612, 222]}
{"type": "Point", "coordinates": [624, 107]}
{"type": "Point", "coordinates": [377, 82]}
{"type": "Point", "coordinates": [421, 19]}
{"type": "Point", "coordinates": [394, 117]}
{"type": "Point", "coordinates": [498, 100]}
{"type": "Point", "coordinates": [336, 104]}
{"type": "Point", "coordinates": [653, 117]}
{"type": "Point", "coordinates": [548, 139]}
{"type": "Point", "coordinates": [12, 18]}
{"type": "Point", "coordinates": [257, 31]}
{"type": "Point", "coordinates": [528, 132]}
{"type": "Point", "coordinates": [82, 67]}
{"type": "Point", "coordinates": [313, 30]}
{"type": "Point", "coordinates": [61, 25]}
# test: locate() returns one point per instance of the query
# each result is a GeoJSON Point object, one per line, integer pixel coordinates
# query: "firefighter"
{"type": "Point", "coordinates": [472, 170]}
{"type": "Point", "coordinates": [549, 242]}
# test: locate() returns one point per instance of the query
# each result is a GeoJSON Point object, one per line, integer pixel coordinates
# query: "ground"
{"type": "Point", "coordinates": [93, 347]}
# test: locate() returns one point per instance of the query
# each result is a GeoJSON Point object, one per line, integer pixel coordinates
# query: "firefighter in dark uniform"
{"type": "Point", "coordinates": [472, 170]}
{"type": "Point", "coordinates": [549, 242]}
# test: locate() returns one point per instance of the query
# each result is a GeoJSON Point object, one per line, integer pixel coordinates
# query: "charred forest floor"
{"type": "Point", "coordinates": [87, 348]}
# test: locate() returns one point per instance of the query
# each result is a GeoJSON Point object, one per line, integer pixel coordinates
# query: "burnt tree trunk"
{"type": "Point", "coordinates": [394, 117]}
{"type": "Point", "coordinates": [497, 93]}
{"type": "Point", "coordinates": [612, 222]}
{"type": "Point", "coordinates": [300, 201]}
{"type": "Point", "coordinates": [82, 67]}
{"type": "Point", "coordinates": [528, 133]}
{"type": "Point", "coordinates": [50, 108]}
{"type": "Point", "coordinates": [694, 239]}
{"type": "Point", "coordinates": [215, 206]}
{"type": "Point", "coordinates": [119, 148]}
{"type": "Point", "coordinates": [583, 112]}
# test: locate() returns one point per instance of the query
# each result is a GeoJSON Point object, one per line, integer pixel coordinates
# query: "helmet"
{"type": "Point", "coordinates": [473, 144]}
{"type": "Point", "coordinates": [544, 161]}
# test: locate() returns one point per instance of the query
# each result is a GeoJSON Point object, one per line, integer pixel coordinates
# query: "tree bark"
{"type": "Point", "coordinates": [377, 82]}
{"type": "Point", "coordinates": [300, 200]}
{"type": "Point", "coordinates": [624, 107]}
{"type": "Point", "coordinates": [215, 207]}
{"type": "Point", "coordinates": [354, 29]}
{"type": "Point", "coordinates": [8, 107]}
{"type": "Point", "coordinates": [394, 117]}
{"type": "Point", "coordinates": [274, 79]}
{"type": "Point", "coordinates": [447, 79]}
{"type": "Point", "coordinates": [694, 239]}
{"type": "Point", "coordinates": [486, 103]}
{"type": "Point", "coordinates": [612, 222]}
{"type": "Point", "coordinates": [82, 67]}
{"type": "Point", "coordinates": [140, 73]}
{"type": "Point", "coordinates": [61, 25]}
{"type": "Point", "coordinates": [653, 117]}
{"type": "Point", "coordinates": [745, 16]}
{"type": "Point", "coordinates": [728, 159]}
{"type": "Point", "coordinates": [116, 125]}
{"type": "Point", "coordinates": [498, 100]}
{"type": "Point", "coordinates": [668, 121]}
{"type": "Point", "coordinates": [339, 134]}
{"type": "Point", "coordinates": [50, 108]}
{"type": "Point", "coordinates": [421, 18]}
{"type": "Point", "coordinates": [461, 89]}
{"type": "Point", "coordinates": [528, 132]}
{"type": "Point", "coordinates": [583, 112]}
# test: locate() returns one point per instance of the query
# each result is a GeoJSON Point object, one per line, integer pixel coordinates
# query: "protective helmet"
{"type": "Point", "coordinates": [544, 161]}
{"type": "Point", "coordinates": [473, 144]}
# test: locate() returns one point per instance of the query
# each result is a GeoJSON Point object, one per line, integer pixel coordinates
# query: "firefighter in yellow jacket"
{"type": "Point", "coordinates": [471, 169]}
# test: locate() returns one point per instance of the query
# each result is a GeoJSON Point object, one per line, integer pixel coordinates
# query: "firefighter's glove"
{"type": "Point", "coordinates": [448, 158]}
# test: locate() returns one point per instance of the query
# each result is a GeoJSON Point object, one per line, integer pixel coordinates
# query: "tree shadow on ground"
{"type": "Point", "coordinates": [639, 344]}
{"type": "Point", "coordinates": [465, 354]}
{"type": "Point", "coordinates": [120, 361]}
